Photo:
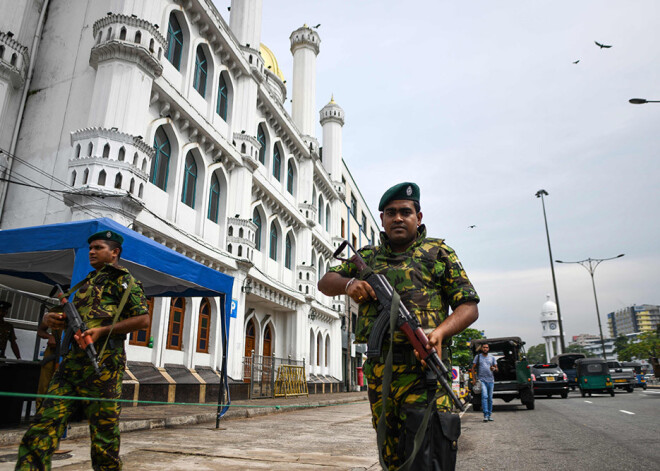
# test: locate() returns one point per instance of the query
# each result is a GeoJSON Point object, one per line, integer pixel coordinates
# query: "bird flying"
{"type": "Point", "coordinates": [316, 26]}
{"type": "Point", "coordinates": [602, 45]}
{"type": "Point", "coordinates": [576, 61]}
{"type": "Point", "coordinates": [472, 226]}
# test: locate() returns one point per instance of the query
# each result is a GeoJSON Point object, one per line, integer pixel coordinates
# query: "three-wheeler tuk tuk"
{"type": "Point", "coordinates": [593, 375]}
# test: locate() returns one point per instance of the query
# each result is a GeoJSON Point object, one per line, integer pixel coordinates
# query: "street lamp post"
{"type": "Point", "coordinates": [541, 194]}
{"type": "Point", "coordinates": [590, 264]}
{"type": "Point", "coordinates": [641, 101]}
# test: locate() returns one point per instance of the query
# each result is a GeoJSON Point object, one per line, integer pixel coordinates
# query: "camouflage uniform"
{"type": "Point", "coordinates": [96, 301]}
{"type": "Point", "coordinates": [429, 278]}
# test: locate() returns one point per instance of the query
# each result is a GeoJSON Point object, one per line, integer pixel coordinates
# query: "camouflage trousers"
{"type": "Point", "coordinates": [76, 377]}
{"type": "Point", "coordinates": [409, 388]}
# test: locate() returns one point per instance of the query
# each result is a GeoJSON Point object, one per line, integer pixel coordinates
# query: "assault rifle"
{"type": "Point", "coordinates": [405, 322]}
{"type": "Point", "coordinates": [75, 328]}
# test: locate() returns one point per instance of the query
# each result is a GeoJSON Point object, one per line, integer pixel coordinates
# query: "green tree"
{"type": "Point", "coordinates": [536, 354]}
{"type": "Point", "coordinates": [575, 348]}
{"type": "Point", "coordinates": [620, 345]}
{"type": "Point", "coordinates": [461, 354]}
{"type": "Point", "coordinates": [648, 347]}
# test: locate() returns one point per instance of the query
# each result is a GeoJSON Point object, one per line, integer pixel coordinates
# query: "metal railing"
{"type": "Point", "coordinates": [261, 371]}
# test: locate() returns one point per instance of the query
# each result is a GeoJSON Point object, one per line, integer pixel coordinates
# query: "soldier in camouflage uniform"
{"type": "Point", "coordinates": [97, 301]}
{"type": "Point", "coordinates": [7, 334]}
{"type": "Point", "coordinates": [429, 278]}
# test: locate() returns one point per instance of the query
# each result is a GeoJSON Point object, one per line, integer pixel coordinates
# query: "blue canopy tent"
{"type": "Point", "coordinates": [58, 253]}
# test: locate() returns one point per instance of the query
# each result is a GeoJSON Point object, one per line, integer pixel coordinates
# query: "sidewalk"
{"type": "Point", "coordinates": [161, 416]}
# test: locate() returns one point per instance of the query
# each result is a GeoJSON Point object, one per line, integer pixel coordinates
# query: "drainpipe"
{"type": "Point", "coordinates": [19, 118]}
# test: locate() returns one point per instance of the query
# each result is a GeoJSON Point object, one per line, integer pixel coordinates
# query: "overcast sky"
{"type": "Point", "coordinates": [480, 103]}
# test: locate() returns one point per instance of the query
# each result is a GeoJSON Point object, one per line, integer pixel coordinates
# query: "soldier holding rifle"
{"type": "Point", "coordinates": [111, 304]}
{"type": "Point", "coordinates": [429, 278]}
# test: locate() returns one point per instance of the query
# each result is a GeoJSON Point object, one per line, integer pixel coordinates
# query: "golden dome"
{"type": "Point", "coordinates": [270, 61]}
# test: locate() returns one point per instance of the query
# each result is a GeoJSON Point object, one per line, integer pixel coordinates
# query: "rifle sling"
{"type": "Point", "coordinates": [381, 428]}
{"type": "Point", "coordinates": [120, 308]}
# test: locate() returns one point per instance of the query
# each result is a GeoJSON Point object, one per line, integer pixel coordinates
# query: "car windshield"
{"type": "Point", "coordinates": [568, 361]}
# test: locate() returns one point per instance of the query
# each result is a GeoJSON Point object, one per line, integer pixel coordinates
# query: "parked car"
{"type": "Point", "coordinates": [513, 379]}
{"type": "Point", "coordinates": [549, 379]}
{"type": "Point", "coordinates": [623, 378]}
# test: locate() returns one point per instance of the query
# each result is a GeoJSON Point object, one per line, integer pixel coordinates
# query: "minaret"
{"type": "Point", "coordinates": [305, 44]}
{"type": "Point", "coordinates": [332, 120]}
{"type": "Point", "coordinates": [550, 323]}
{"type": "Point", "coordinates": [245, 22]}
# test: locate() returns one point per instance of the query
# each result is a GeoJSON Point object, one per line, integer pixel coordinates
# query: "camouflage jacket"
{"type": "Point", "coordinates": [428, 276]}
{"type": "Point", "coordinates": [99, 296]}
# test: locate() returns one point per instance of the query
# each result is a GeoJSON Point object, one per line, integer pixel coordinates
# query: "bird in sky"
{"type": "Point", "coordinates": [472, 226]}
{"type": "Point", "coordinates": [315, 27]}
{"type": "Point", "coordinates": [602, 45]}
{"type": "Point", "coordinates": [575, 62]}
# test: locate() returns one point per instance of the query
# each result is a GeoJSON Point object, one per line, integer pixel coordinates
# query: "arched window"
{"type": "Point", "coordinates": [321, 208]}
{"type": "Point", "coordinates": [289, 177]}
{"type": "Point", "coordinates": [175, 329]}
{"type": "Point", "coordinates": [204, 326]}
{"type": "Point", "coordinates": [122, 154]}
{"type": "Point", "coordinates": [2, 52]}
{"type": "Point", "coordinates": [106, 151]}
{"type": "Point", "coordinates": [174, 42]}
{"type": "Point", "coordinates": [122, 34]}
{"type": "Point", "coordinates": [256, 219]}
{"type": "Point", "coordinates": [318, 349]}
{"type": "Point", "coordinates": [277, 162]}
{"type": "Point", "coordinates": [273, 241]}
{"type": "Point", "coordinates": [261, 137]}
{"type": "Point", "coordinates": [189, 181]}
{"type": "Point", "coordinates": [73, 178]}
{"type": "Point", "coordinates": [268, 341]}
{"type": "Point", "coordinates": [118, 180]}
{"type": "Point", "coordinates": [131, 187]}
{"type": "Point", "coordinates": [160, 164]}
{"type": "Point", "coordinates": [327, 217]}
{"type": "Point", "coordinates": [13, 59]}
{"type": "Point", "coordinates": [90, 149]}
{"type": "Point", "coordinates": [201, 68]}
{"type": "Point", "coordinates": [223, 97]}
{"type": "Point", "coordinates": [85, 176]}
{"type": "Point", "coordinates": [78, 151]}
{"type": "Point", "coordinates": [287, 252]}
{"type": "Point", "coordinates": [214, 198]}
{"type": "Point", "coordinates": [327, 350]}
{"type": "Point", "coordinates": [101, 180]}
{"type": "Point", "coordinates": [138, 37]}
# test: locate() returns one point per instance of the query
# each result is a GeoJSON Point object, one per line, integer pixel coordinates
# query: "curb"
{"type": "Point", "coordinates": [13, 437]}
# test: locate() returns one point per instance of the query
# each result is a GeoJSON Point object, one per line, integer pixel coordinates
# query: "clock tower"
{"type": "Point", "coordinates": [550, 323]}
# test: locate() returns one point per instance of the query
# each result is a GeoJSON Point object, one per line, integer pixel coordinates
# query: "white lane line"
{"type": "Point", "coordinates": [626, 412]}
{"type": "Point", "coordinates": [588, 402]}
{"type": "Point", "coordinates": [651, 392]}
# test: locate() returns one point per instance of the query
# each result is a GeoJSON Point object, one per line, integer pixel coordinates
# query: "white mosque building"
{"type": "Point", "coordinates": [170, 119]}
{"type": "Point", "coordinates": [551, 333]}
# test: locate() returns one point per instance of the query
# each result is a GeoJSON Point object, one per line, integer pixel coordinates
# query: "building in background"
{"type": "Point", "coordinates": [632, 319]}
{"type": "Point", "coordinates": [584, 339]}
{"type": "Point", "coordinates": [164, 117]}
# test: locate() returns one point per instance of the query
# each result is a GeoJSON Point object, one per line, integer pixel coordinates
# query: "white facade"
{"type": "Point", "coordinates": [550, 324]}
{"type": "Point", "coordinates": [161, 116]}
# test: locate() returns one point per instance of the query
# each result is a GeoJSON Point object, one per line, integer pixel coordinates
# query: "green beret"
{"type": "Point", "coordinates": [106, 235]}
{"type": "Point", "coordinates": [402, 191]}
{"type": "Point", "coordinates": [5, 304]}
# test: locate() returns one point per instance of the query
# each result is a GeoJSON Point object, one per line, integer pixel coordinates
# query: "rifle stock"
{"type": "Point", "coordinates": [405, 322]}
{"type": "Point", "coordinates": [75, 327]}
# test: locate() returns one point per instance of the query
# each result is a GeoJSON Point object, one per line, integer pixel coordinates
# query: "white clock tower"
{"type": "Point", "coordinates": [550, 323]}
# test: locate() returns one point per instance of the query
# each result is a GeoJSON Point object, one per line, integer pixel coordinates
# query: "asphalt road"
{"type": "Point", "coordinates": [597, 433]}
{"type": "Point", "coordinates": [591, 433]}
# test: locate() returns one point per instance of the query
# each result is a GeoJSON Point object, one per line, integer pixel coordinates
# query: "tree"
{"type": "Point", "coordinates": [461, 353]}
{"type": "Point", "coordinates": [647, 347]}
{"type": "Point", "coordinates": [620, 346]}
{"type": "Point", "coordinates": [575, 348]}
{"type": "Point", "coordinates": [536, 354]}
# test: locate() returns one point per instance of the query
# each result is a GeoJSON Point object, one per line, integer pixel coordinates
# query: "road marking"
{"type": "Point", "coordinates": [651, 392]}
{"type": "Point", "coordinates": [626, 412]}
{"type": "Point", "coordinates": [588, 402]}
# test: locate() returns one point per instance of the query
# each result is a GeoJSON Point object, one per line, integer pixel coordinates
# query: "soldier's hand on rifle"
{"type": "Point", "coordinates": [360, 291]}
{"type": "Point", "coordinates": [55, 320]}
{"type": "Point", "coordinates": [95, 333]}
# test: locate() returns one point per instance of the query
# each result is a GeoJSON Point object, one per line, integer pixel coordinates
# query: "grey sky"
{"type": "Point", "coordinates": [479, 102]}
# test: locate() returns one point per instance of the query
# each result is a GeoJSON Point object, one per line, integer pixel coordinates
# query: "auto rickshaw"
{"type": "Point", "coordinates": [593, 375]}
